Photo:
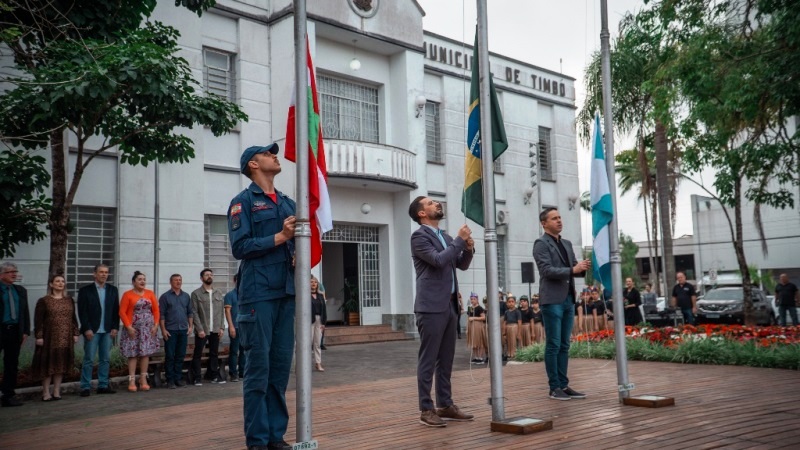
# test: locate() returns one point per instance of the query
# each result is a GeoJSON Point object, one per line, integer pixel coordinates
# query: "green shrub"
{"type": "Point", "coordinates": [701, 351]}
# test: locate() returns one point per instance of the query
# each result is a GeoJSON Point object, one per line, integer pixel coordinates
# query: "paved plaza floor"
{"type": "Point", "coordinates": [366, 399]}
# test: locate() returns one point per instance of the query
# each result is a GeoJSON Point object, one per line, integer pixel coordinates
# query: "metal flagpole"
{"type": "Point", "coordinates": [490, 233]}
{"type": "Point", "coordinates": [302, 235]}
{"type": "Point", "coordinates": [616, 261]}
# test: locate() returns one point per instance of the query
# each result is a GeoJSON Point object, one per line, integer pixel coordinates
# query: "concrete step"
{"type": "Point", "coordinates": [363, 338]}
{"type": "Point", "coordinates": [353, 330]}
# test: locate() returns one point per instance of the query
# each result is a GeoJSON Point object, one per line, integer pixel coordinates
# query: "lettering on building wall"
{"type": "Point", "coordinates": [463, 60]}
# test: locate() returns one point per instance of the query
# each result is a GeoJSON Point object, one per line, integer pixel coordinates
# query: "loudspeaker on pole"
{"type": "Point", "coordinates": [528, 275]}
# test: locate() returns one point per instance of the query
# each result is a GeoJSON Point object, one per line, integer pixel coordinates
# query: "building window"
{"type": "Point", "coordinates": [545, 160]}
{"type": "Point", "coordinates": [219, 75]}
{"type": "Point", "coordinates": [498, 164]}
{"type": "Point", "coordinates": [218, 253]}
{"type": "Point", "coordinates": [432, 135]}
{"type": "Point", "coordinates": [91, 242]}
{"type": "Point", "coordinates": [349, 110]}
{"type": "Point", "coordinates": [501, 262]}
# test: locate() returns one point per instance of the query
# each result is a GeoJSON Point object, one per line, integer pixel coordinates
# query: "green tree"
{"type": "Point", "coordinates": [629, 177]}
{"type": "Point", "coordinates": [737, 74]}
{"type": "Point", "coordinates": [23, 182]}
{"type": "Point", "coordinates": [100, 69]}
{"type": "Point", "coordinates": [628, 251]}
{"type": "Point", "coordinates": [637, 55]}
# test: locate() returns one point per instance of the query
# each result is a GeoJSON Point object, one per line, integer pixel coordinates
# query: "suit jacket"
{"type": "Point", "coordinates": [554, 271]}
{"type": "Point", "coordinates": [89, 308]}
{"type": "Point", "coordinates": [24, 314]}
{"type": "Point", "coordinates": [435, 266]}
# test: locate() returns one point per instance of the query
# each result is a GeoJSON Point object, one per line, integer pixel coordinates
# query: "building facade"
{"type": "Point", "coordinates": [394, 129]}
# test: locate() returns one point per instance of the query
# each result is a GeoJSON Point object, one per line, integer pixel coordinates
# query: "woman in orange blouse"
{"type": "Point", "coordinates": [138, 310]}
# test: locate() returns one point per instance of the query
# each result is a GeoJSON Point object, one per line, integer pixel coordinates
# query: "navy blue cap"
{"type": "Point", "coordinates": [250, 152]}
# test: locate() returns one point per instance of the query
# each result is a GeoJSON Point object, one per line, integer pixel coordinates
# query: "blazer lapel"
{"type": "Point", "coordinates": [433, 236]}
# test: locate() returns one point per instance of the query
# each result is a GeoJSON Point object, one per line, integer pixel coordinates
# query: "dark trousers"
{"type": "Point", "coordinates": [266, 330]}
{"type": "Point", "coordinates": [10, 344]}
{"type": "Point", "coordinates": [558, 320]}
{"type": "Point", "coordinates": [437, 334]}
{"type": "Point", "coordinates": [236, 358]}
{"type": "Point", "coordinates": [174, 352]}
{"type": "Point", "coordinates": [213, 356]}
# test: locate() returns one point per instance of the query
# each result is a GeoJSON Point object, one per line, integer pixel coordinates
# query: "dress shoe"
{"type": "Point", "coordinates": [105, 390]}
{"type": "Point", "coordinates": [86, 392]}
{"type": "Point", "coordinates": [453, 413]}
{"type": "Point", "coordinates": [282, 445]}
{"type": "Point", "coordinates": [430, 419]}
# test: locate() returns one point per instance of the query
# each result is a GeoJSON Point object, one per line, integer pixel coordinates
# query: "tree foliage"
{"type": "Point", "coordinates": [101, 69]}
{"type": "Point", "coordinates": [23, 179]}
{"type": "Point", "coordinates": [736, 75]}
{"type": "Point", "coordinates": [627, 251]}
{"type": "Point", "coordinates": [638, 55]}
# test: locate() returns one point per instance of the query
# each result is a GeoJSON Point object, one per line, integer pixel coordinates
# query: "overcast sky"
{"type": "Point", "coordinates": [560, 36]}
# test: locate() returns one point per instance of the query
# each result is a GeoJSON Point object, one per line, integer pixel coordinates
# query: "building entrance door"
{"type": "Point", "coordinates": [351, 268]}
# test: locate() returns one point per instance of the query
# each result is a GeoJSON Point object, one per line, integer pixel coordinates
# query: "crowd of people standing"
{"type": "Point", "coordinates": [97, 314]}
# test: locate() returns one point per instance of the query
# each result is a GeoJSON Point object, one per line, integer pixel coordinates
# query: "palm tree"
{"type": "Point", "coordinates": [629, 177]}
{"type": "Point", "coordinates": [637, 57]}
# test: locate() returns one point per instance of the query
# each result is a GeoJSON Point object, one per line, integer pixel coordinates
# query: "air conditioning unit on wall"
{"type": "Point", "coordinates": [503, 216]}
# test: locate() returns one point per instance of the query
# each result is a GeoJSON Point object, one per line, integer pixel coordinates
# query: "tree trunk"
{"type": "Point", "coordinates": [654, 219]}
{"type": "Point", "coordinates": [662, 183]}
{"type": "Point", "coordinates": [650, 248]}
{"type": "Point", "coordinates": [59, 215]}
{"type": "Point", "coordinates": [741, 259]}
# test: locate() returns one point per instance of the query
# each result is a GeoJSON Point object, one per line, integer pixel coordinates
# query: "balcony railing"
{"type": "Point", "coordinates": [372, 161]}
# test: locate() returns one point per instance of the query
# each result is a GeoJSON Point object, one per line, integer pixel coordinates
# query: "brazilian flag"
{"type": "Point", "coordinates": [472, 201]}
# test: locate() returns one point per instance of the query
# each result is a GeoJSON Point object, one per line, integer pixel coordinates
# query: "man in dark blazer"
{"type": "Point", "coordinates": [558, 268]}
{"type": "Point", "coordinates": [436, 256]}
{"type": "Point", "coordinates": [98, 311]}
{"type": "Point", "coordinates": [15, 324]}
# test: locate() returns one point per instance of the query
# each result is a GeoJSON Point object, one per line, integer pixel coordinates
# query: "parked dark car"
{"type": "Point", "coordinates": [726, 305]}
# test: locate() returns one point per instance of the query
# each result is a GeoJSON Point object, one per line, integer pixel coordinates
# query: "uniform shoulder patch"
{"type": "Point", "coordinates": [236, 209]}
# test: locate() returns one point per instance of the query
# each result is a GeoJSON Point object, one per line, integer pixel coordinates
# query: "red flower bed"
{"type": "Point", "coordinates": [671, 336]}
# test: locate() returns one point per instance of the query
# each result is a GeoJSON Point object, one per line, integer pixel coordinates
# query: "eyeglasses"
{"type": "Point", "coordinates": [11, 271]}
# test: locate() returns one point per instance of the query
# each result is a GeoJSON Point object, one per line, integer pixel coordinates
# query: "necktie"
{"type": "Point", "coordinates": [444, 244]}
{"type": "Point", "coordinates": [12, 308]}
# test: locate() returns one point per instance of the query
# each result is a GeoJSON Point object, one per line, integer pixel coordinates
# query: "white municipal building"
{"type": "Point", "coordinates": [394, 127]}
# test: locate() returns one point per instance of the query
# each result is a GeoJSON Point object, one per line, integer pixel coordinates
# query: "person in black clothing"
{"type": "Point", "coordinates": [512, 321]}
{"type": "Point", "coordinates": [684, 297]}
{"type": "Point", "coordinates": [476, 330]}
{"type": "Point", "coordinates": [319, 317]}
{"type": "Point", "coordinates": [538, 324]}
{"type": "Point", "coordinates": [787, 298]}
{"type": "Point", "coordinates": [15, 328]}
{"type": "Point", "coordinates": [632, 300]}
{"type": "Point", "coordinates": [525, 337]}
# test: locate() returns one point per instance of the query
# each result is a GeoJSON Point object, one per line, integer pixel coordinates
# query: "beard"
{"type": "Point", "coordinates": [208, 281]}
{"type": "Point", "coordinates": [438, 215]}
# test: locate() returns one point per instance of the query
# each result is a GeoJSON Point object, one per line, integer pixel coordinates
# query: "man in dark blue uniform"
{"type": "Point", "coordinates": [261, 228]}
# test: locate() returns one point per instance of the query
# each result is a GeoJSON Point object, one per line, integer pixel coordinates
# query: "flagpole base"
{"type": "Point", "coordinates": [649, 401]}
{"type": "Point", "coordinates": [521, 425]}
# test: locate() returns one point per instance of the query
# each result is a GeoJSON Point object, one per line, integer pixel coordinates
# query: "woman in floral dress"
{"type": "Point", "coordinates": [56, 331]}
{"type": "Point", "coordinates": [138, 311]}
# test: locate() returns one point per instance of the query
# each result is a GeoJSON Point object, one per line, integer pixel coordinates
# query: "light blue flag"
{"type": "Point", "coordinates": [602, 210]}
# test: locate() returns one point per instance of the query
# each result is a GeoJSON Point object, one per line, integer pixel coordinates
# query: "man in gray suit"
{"type": "Point", "coordinates": [558, 268]}
{"type": "Point", "coordinates": [436, 256]}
